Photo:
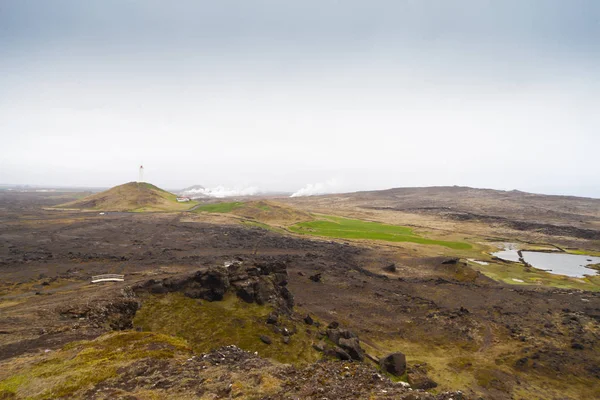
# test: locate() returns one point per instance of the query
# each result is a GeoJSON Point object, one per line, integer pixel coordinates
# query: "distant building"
{"type": "Point", "coordinates": [183, 199]}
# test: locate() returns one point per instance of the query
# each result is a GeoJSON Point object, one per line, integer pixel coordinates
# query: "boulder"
{"type": "Point", "coordinates": [333, 325]}
{"type": "Point", "coordinates": [394, 364]}
{"type": "Point", "coordinates": [346, 334]}
{"type": "Point", "coordinates": [308, 320]}
{"type": "Point", "coordinates": [342, 354]}
{"type": "Point", "coordinates": [418, 379]}
{"type": "Point", "coordinates": [390, 268]}
{"type": "Point", "coordinates": [352, 347]}
{"type": "Point", "coordinates": [319, 346]}
{"type": "Point", "coordinates": [265, 339]}
{"type": "Point", "coordinates": [273, 318]}
{"type": "Point", "coordinates": [315, 278]}
{"type": "Point", "coordinates": [333, 335]}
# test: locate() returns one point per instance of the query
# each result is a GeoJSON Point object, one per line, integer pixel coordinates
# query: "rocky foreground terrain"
{"type": "Point", "coordinates": [213, 309]}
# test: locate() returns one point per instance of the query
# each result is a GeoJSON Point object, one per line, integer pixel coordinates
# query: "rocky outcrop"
{"type": "Point", "coordinates": [260, 283]}
{"type": "Point", "coordinates": [347, 344]}
{"type": "Point", "coordinates": [116, 314]}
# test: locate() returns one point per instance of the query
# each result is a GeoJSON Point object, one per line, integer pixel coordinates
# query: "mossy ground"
{"type": "Point", "coordinates": [514, 273]}
{"type": "Point", "coordinates": [81, 365]}
{"type": "Point", "coordinates": [487, 370]}
{"type": "Point", "coordinates": [209, 325]}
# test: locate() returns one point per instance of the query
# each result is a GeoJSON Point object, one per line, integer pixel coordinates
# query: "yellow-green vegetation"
{"type": "Point", "coordinates": [81, 365]}
{"type": "Point", "coordinates": [131, 197]}
{"type": "Point", "coordinates": [514, 273]}
{"type": "Point", "coordinates": [583, 252]}
{"type": "Point", "coordinates": [209, 325]}
{"type": "Point", "coordinates": [345, 228]}
{"type": "Point", "coordinates": [455, 366]}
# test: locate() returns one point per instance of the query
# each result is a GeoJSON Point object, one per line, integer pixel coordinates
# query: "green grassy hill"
{"type": "Point", "coordinates": [132, 196]}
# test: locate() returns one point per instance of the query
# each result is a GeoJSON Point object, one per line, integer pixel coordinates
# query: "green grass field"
{"type": "Point", "coordinates": [220, 207]}
{"type": "Point", "coordinates": [345, 228]}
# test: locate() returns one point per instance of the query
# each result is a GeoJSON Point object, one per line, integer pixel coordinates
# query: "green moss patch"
{"type": "Point", "coordinates": [81, 365]}
{"type": "Point", "coordinates": [209, 325]}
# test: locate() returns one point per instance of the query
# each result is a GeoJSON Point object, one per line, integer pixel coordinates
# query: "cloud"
{"type": "Point", "coordinates": [312, 189]}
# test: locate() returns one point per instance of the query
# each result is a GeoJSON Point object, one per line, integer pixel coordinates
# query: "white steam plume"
{"type": "Point", "coordinates": [312, 189]}
{"type": "Point", "coordinates": [221, 191]}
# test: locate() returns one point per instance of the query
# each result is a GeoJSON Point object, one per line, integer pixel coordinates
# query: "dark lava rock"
{"type": "Point", "coordinates": [394, 363]}
{"type": "Point", "coordinates": [245, 291]}
{"type": "Point", "coordinates": [577, 346]}
{"type": "Point", "coordinates": [333, 335]}
{"type": "Point", "coordinates": [418, 379]}
{"type": "Point", "coordinates": [421, 381]}
{"type": "Point", "coordinates": [345, 339]}
{"type": "Point", "coordinates": [261, 284]}
{"type": "Point", "coordinates": [216, 281]}
{"type": "Point", "coordinates": [450, 261]}
{"type": "Point", "coordinates": [265, 339]}
{"type": "Point", "coordinates": [342, 354]}
{"type": "Point", "coordinates": [390, 268]}
{"type": "Point", "coordinates": [333, 325]}
{"type": "Point", "coordinates": [308, 320]}
{"type": "Point", "coordinates": [286, 339]}
{"type": "Point", "coordinates": [336, 334]}
{"type": "Point", "coordinates": [315, 278]}
{"type": "Point", "coordinates": [352, 346]}
{"type": "Point", "coordinates": [319, 346]}
{"type": "Point", "coordinates": [521, 362]}
{"type": "Point", "coordinates": [273, 318]}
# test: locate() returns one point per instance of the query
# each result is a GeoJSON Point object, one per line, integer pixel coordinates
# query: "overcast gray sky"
{"type": "Point", "coordinates": [338, 95]}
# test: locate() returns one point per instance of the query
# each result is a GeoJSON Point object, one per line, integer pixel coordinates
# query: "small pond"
{"type": "Point", "coordinates": [573, 265]}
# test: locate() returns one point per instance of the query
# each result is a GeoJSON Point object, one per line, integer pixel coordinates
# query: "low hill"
{"type": "Point", "coordinates": [132, 196]}
{"type": "Point", "coordinates": [464, 203]}
{"type": "Point", "coordinates": [267, 212]}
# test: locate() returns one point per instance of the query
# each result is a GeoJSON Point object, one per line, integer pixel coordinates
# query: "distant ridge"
{"type": "Point", "coordinates": [132, 196]}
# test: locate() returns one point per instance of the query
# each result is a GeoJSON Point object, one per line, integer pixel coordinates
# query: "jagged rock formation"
{"type": "Point", "coordinates": [261, 283]}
